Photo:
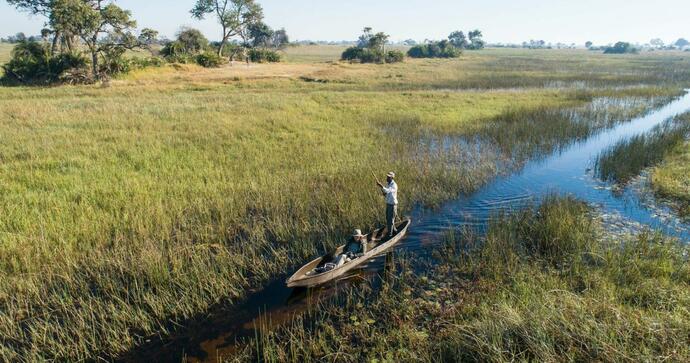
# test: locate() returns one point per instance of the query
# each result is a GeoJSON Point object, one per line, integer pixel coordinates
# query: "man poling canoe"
{"type": "Point", "coordinates": [390, 191]}
{"type": "Point", "coordinates": [359, 248]}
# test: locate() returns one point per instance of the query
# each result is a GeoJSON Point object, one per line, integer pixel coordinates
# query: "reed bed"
{"type": "Point", "coordinates": [124, 210]}
{"type": "Point", "coordinates": [543, 285]}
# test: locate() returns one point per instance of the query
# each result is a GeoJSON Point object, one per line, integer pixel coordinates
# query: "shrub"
{"type": "Point", "coordinates": [621, 48]}
{"type": "Point", "coordinates": [418, 51]}
{"type": "Point", "coordinates": [114, 64]}
{"type": "Point", "coordinates": [442, 49]}
{"type": "Point", "coordinates": [31, 63]}
{"type": "Point", "coordinates": [264, 56]}
{"type": "Point", "coordinates": [368, 55]}
{"type": "Point", "coordinates": [352, 53]}
{"type": "Point", "coordinates": [209, 60]}
{"type": "Point", "coordinates": [189, 43]}
{"type": "Point", "coordinates": [117, 64]}
{"type": "Point", "coordinates": [394, 56]}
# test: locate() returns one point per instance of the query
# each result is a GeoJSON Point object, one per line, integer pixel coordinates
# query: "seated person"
{"type": "Point", "coordinates": [356, 247]}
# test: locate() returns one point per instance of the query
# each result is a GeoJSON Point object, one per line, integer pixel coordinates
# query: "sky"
{"type": "Point", "coordinates": [504, 21]}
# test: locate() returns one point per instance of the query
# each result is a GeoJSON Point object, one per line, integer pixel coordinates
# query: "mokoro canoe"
{"type": "Point", "coordinates": [307, 276]}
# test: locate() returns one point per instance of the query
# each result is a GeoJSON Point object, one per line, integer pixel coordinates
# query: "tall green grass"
{"type": "Point", "coordinates": [542, 286]}
{"type": "Point", "coordinates": [626, 159]}
{"type": "Point", "coordinates": [671, 178]}
{"type": "Point", "coordinates": [127, 209]}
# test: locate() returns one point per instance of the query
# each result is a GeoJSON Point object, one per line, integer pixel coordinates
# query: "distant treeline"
{"type": "Point", "coordinates": [86, 40]}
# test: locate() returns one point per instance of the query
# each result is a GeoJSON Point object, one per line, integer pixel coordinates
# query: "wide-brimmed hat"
{"type": "Point", "coordinates": [391, 175]}
{"type": "Point", "coordinates": [357, 233]}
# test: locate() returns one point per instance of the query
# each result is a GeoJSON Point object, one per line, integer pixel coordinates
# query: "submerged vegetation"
{"type": "Point", "coordinates": [629, 157]}
{"type": "Point", "coordinates": [543, 285]}
{"type": "Point", "coordinates": [129, 208]}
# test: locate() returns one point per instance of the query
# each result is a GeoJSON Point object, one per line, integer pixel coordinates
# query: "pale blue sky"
{"type": "Point", "coordinates": [568, 21]}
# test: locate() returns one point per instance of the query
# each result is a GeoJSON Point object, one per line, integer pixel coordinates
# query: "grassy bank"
{"type": "Point", "coordinates": [128, 208]}
{"type": "Point", "coordinates": [671, 179]}
{"type": "Point", "coordinates": [540, 287]}
{"type": "Point", "coordinates": [628, 158]}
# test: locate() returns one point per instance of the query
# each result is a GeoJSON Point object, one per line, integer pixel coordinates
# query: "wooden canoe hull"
{"type": "Point", "coordinates": [303, 278]}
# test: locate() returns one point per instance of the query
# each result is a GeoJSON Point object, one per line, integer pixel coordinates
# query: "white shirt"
{"type": "Point", "coordinates": [391, 192]}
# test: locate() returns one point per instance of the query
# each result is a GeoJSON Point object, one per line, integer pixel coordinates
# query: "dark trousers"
{"type": "Point", "coordinates": [391, 213]}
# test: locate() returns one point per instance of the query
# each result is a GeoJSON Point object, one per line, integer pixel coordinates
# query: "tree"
{"type": "Point", "coordinates": [681, 43]}
{"type": "Point", "coordinates": [43, 8]}
{"type": "Point", "coordinates": [476, 41]}
{"type": "Point", "coordinates": [371, 49]}
{"type": "Point", "coordinates": [189, 42]}
{"type": "Point", "coordinates": [458, 39]}
{"type": "Point", "coordinates": [657, 43]}
{"type": "Point", "coordinates": [148, 37]}
{"type": "Point", "coordinates": [19, 37]}
{"type": "Point", "coordinates": [192, 40]}
{"type": "Point", "coordinates": [371, 40]}
{"type": "Point", "coordinates": [260, 35]}
{"type": "Point", "coordinates": [234, 17]}
{"type": "Point", "coordinates": [588, 44]}
{"type": "Point", "coordinates": [105, 28]}
{"type": "Point", "coordinates": [34, 7]}
{"type": "Point", "coordinates": [378, 41]}
{"type": "Point", "coordinates": [280, 39]}
{"type": "Point", "coordinates": [363, 40]}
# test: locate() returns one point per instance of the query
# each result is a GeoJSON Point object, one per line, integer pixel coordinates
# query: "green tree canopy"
{"type": "Point", "coordinates": [458, 39]}
{"type": "Point", "coordinates": [234, 16]}
{"type": "Point", "coordinates": [260, 35]}
{"type": "Point", "coordinates": [476, 39]}
{"type": "Point", "coordinates": [105, 28]}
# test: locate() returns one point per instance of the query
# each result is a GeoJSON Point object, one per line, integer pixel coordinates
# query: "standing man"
{"type": "Point", "coordinates": [390, 191]}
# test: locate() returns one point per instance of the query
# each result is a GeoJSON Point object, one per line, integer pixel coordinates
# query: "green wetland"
{"type": "Point", "coordinates": [155, 217]}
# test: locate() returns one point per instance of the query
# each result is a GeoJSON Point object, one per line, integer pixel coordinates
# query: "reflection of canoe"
{"type": "Point", "coordinates": [306, 276]}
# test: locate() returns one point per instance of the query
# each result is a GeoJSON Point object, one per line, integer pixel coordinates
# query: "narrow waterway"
{"type": "Point", "coordinates": [567, 171]}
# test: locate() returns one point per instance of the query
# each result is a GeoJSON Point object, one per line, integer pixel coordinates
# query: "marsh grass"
{"type": "Point", "coordinates": [671, 179]}
{"type": "Point", "coordinates": [127, 209]}
{"type": "Point", "coordinates": [542, 286]}
{"type": "Point", "coordinates": [626, 159]}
